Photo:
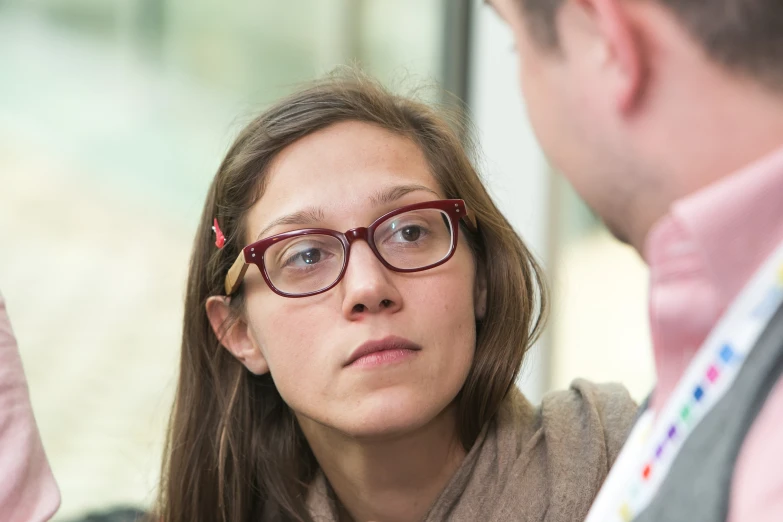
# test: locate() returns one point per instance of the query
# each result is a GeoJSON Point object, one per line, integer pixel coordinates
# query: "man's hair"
{"type": "Point", "coordinates": [745, 36]}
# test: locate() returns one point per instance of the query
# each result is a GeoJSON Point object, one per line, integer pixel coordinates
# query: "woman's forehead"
{"type": "Point", "coordinates": [346, 155]}
{"type": "Point", "coordinates": [344, 169]}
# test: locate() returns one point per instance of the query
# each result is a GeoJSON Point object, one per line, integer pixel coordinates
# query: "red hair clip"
{"type": "Point", "coordinates": [220, 239]}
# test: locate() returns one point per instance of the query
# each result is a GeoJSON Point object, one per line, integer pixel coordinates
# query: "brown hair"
{"type": "Point", "coordinates": [234, 450]}
{"type": "Point", "coordinates": [745, 36]}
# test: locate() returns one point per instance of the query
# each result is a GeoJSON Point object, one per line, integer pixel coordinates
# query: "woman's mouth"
{"type": "Point", "coordinates": [388, 350]}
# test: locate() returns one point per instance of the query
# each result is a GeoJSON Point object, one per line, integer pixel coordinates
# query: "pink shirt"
{"type": "Point", "coordinates": [701, 255]}
{"type": "Point", "coordinates": [28, 492]}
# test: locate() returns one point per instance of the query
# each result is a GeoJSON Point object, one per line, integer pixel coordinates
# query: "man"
{"type": "Point", "coordinates": [667, 118]}
{"type": "Point", "coordinates": [28, 492]}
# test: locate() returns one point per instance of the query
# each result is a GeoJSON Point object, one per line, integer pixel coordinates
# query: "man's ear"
{"type": "Point", "coordinates": [480, 293]}
{"type": "Point", "coordinates": [235, 336]}
{"type": "Point", "coordinates": [622, 54]}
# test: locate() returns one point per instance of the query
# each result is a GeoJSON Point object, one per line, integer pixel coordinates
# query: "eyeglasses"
{"type": "Point", "coordinates": [310, 261]}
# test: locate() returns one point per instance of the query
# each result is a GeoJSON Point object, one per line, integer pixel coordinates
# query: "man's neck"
{"type": "Point", "coordinates": [389, 479]}
{"type": "Point", "coordinates": [725, 127]}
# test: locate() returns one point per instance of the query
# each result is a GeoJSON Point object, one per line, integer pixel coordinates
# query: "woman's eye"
{"type": "Point", "coordinates": [310, 256]}
{"type": "Point", "coordinates": [410, 233]}
{"type": "Point", "coordinates": [405, 232]}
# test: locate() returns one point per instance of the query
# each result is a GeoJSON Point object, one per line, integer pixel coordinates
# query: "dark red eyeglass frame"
{"type": "Point", "coordinates": [253, 254]}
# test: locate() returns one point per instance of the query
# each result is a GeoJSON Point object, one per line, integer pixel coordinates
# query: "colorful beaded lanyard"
{"type": "Point", "coordinates": [653, 444]}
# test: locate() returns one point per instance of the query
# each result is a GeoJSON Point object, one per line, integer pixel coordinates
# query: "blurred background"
{"type": "Point", "coordinates": [114, 116]}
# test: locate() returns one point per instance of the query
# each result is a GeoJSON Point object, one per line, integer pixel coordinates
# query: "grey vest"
{"type": "Point", "coordinates": [699, 482]}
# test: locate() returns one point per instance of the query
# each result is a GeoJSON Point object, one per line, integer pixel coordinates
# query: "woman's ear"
{"type": "Point", "coordinates": [235, 336]}
{"type": "Point", "coordinates": [480, 293]}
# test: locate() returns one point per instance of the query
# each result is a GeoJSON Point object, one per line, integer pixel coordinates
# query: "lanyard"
{"type": "Point", "coordinates": [654, 443]}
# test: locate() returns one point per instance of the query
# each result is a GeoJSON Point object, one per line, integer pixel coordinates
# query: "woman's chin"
{"type": "Point", "coordinates": [383, 416]}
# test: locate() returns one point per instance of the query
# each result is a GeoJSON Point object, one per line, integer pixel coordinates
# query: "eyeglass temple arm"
{"type": "Point", "coordinates": [236, 273]}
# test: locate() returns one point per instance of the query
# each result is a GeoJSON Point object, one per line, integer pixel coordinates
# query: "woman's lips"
{"type": "Point", "coordinates": [385, 351]}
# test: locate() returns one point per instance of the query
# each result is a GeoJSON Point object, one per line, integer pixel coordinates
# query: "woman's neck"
{"type": "Point", "coordinates": [388, 479]}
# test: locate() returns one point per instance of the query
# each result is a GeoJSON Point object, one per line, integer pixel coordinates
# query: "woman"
{"type": "Point", "coordinates": [357, 312]}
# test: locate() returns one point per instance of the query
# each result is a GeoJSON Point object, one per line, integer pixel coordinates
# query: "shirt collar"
{"type": "Point", "coordinates": [733, 225]}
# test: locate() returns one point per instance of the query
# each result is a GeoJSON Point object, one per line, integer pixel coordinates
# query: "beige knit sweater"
{"type": "Point", "coordinates": [529, 464]}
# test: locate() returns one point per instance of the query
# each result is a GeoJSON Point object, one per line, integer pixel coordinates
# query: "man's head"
{"type": "Point", "coordinates": [631, 98]}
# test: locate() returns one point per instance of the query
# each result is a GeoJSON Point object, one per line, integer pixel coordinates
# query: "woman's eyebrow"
{"type": "Point", "coordinates": [391, 194]}
{"type": "Point", "coordinates": [306, 216]}
{"type": "Point", "coordinates": [314, 215]}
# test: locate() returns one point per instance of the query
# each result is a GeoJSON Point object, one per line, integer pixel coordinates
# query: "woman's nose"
{"type": "Point", "coordinates": [368, 285]}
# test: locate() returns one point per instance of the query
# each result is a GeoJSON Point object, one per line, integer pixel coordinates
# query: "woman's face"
{"type": "Point", "coordinates": [342, 177]}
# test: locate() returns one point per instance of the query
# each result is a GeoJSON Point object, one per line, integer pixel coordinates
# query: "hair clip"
{"type": "Point", "coordinates": [220, 239]}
